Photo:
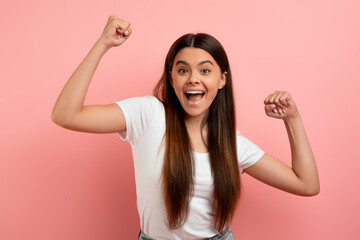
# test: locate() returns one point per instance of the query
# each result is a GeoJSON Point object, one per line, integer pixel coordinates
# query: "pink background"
{"type": "Point", "coordinates": [57, 184]}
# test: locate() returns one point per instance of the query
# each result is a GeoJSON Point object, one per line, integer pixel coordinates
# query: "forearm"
{"type": "Point", "coordinates": [303, 161]}
{"type": "Point", "coordinates": [72, 97]}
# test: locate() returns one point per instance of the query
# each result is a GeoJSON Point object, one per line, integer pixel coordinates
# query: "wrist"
{"type": "Point", "coordinates": [101, 46]}
{"type": "Point", "coordinates": [292, 119]}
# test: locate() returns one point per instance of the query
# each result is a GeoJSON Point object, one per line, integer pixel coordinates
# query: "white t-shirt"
{"type": "Point", "coordinates": [145, 129]}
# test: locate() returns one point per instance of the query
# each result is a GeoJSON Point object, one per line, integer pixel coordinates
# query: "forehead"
{"type": "Point", "coordinates": [193, 56]}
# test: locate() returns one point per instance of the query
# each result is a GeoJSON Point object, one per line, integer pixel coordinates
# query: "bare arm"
{"type": "Point", "coordinates": [69, 110]}
{"type": "Point", "coordinates": [302, 178]}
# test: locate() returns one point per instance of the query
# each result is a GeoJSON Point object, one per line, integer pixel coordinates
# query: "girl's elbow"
{"type": "Point", "coordinates": [59, 120]}
{"type": "Point", "coordinates": [316, 191]}
{"type": "Point", "coordinates": [55, 118]}
{"type": "Point", "coordinates": [312, 191]}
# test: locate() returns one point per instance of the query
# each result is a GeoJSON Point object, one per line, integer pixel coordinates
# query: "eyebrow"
{"type": "Point", "coordinates": [201, 63]}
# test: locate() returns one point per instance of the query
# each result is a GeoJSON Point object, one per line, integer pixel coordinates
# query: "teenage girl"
{"type": "Point", "coordinates": [187, 153]}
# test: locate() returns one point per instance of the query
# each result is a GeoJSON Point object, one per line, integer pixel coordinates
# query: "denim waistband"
{"type": "Point", "coordinates": [143, 236]}
{"type": "Point", "coordinates": [225, 235]}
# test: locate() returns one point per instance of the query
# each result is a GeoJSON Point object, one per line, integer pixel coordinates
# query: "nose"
{"type": "Point", "coordinates": [193, 79]}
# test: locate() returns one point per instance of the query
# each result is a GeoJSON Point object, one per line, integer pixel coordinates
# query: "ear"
{"type": "Point", "coordinates": [223, 80]}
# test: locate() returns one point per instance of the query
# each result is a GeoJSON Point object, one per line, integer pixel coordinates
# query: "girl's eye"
{"type": "Point", "coordinates": [182, 70]}
{"type": "Point", "coordinates": [205, 71]}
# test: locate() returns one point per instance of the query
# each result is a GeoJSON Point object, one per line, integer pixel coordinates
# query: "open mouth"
{"type": "Point", "coordinates": [194, 96]}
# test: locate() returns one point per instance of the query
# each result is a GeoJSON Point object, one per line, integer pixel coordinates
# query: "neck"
{"type": "Point", "coordinates": [198, 132]}
{"type": "Point", "coordinates": [195, 123]}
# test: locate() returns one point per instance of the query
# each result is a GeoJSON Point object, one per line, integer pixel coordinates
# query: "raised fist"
{"type": "Point", "coordinates": [280, 105]}
{"type": "Point", "coordinates": [115, 32]}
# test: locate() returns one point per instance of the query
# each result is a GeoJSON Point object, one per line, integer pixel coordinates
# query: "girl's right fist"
{"type": "Point", "coordinates": [115, 32]}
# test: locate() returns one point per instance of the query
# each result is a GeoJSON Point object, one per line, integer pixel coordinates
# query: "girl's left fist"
{"type": "Point", "coordinates": [280, 105]}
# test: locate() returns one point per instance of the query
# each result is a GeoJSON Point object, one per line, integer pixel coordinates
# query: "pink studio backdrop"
{"type": "Point", "coordinates": [57, 184]}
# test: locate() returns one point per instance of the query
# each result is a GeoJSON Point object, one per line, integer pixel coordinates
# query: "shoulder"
{"type": "Point", "coordinates": [147, 103]}
{"type": "Point", "coordinates": [240, 139]}
{"type": "Point", "coordinates": [141, 100]}
{"type": "Point", "coordinates": [244, 142]}
{"type": "Point", "coordinates": [248, 152]}
{"type": "Point", "coordinates": [141, 113]}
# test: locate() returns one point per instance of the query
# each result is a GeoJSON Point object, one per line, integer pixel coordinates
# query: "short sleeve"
{"type": "Point", "coordinates": [248, 152]}
{"type": "Point", "coordinates": [139, 113]}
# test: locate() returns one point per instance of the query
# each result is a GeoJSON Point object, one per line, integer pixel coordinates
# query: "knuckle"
{"type": "Point", "coordinates": [113, 22]}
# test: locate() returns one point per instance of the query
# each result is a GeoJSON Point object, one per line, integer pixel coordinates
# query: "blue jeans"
{"type": "Point", "coordinates": [227, 235]}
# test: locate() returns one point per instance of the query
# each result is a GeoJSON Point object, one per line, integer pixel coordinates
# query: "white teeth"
{"type": "Point", "coordinates": [194, 92]}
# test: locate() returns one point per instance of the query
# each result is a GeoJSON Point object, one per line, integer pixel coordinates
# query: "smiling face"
{"type": "Point", "coordinates": [196, 79]}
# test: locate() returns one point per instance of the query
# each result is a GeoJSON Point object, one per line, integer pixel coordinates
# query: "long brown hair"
{"type": "Point", "coordinates": [178, 169]}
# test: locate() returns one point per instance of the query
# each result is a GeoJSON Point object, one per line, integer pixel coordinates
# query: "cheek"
{"type": "Point", "coordinates": [177, 88]}
{"type": "Point", "coordinates": [213, 84]}
{"type": "Point", "coordinates": [213, 94]}
{"type": "Point", "coordinates": [178, 82]}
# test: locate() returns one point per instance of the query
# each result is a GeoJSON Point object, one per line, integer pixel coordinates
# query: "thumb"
{"type": "Point", "coordinates": [121, 35]}
{"type": "Point", "coordinates": [270, 107]}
